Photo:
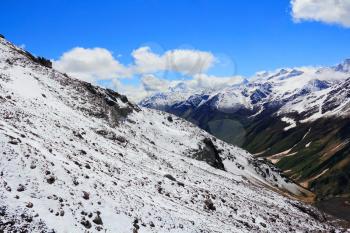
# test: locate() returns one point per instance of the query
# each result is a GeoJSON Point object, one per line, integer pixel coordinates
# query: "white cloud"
{"type": "Point", "coordinates": [146, 61]}
{"type": "Point", "coordinates": [134, 92]}
{"type": "Point", "coordinates": [153, 84]}
{"type": "Point", "coordinates": [204, 81]}
{"type": "Point", "coordinates": [91, 64]}
{"type": "Point", "coordinates": [149, 84]}
{"type": "Point", "coordinates": [327, 11]}
{"type": "Point", "coordinates": [98, 63]}
{"type": "Point", "coordinates": [187, 62]}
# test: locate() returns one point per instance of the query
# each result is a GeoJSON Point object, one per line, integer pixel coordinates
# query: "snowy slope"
{"type": "Point", "coordinates": [75, 157]}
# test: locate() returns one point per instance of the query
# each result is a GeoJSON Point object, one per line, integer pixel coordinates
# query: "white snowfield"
{"type": "Point", "coordinates": [69, 164]}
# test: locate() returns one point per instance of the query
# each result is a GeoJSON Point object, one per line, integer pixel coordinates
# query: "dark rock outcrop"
{"type": "Point", "coordinates": [208, 153]}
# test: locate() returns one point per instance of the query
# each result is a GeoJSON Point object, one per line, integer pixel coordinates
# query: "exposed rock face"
{"type": "Point", "coordinates": [208, 153]}
{"type": "Point", "coordinates": [109, 104]}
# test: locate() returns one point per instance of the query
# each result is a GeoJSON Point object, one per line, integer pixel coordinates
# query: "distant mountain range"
{"type": "Point", "coordinates": [297, 118]}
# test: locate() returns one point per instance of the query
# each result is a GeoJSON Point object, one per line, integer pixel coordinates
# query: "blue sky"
{"type": "Point", "coordinates": [250, 35]}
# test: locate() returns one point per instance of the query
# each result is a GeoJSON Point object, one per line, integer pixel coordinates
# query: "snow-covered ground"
{"type": "Point", "coordinates": [291, 123]}
{"type": "Point", "coordinates": [77, 158]}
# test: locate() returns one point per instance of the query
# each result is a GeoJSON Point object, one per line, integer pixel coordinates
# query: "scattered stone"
{"type": "Point", "coordinates": [78, 135]}
{"type": "Point", "coordinates": [20, 188]}
{"type": "Point", "coordinates": [170, 119]}
{"type": "Point", "coordinates": [2, 211]}
{"type": "Point", "coordinates": [77, 163]}
{"type": "Point", "coordinates": [263, 224]}
{"type": "Point", "coordinates": [83, 152]}
{"type": "Point", "coordinates": [170, 177]}
{"type": "Point", "coordinates": [120, 139]}
{"type": "Point", "coordinates": [27, 218]}
{"type": "Point", "coordinates": [14, 141]}
{"type": "Point", "coordinates": [180, 184]}
{"type": "Point", "coordinates": [136, 225]}
{"type": "Point", "coordinates": [50, 179]}
{"type": "Point", "coordinates": [97, 220]}
{"type": "Point", "coordinates": [75, 182]}
{"type": "Point", "coordinates": [86, 223]}
{"type": "Point", "coordinates": [86, 195]}
{"type": "Point", "coordinates": [29, 205]}
{"type": "Point", "coordinates": [208, 204]}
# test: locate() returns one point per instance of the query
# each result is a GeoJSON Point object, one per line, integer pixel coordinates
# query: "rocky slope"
{"type": "Point", "coordinates": [297, 118]}
{"type": "Point", "coordinates": [78, 158]}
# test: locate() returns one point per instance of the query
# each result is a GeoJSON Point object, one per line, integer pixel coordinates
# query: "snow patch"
{"type": "Point", "coordinates": [289, 121]}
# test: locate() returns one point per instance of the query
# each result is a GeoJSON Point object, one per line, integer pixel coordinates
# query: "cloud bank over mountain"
{"type": "Point", "coordinates": [98, 64]}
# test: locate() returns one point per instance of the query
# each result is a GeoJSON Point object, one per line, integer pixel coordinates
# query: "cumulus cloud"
{"type": "Point", "coordinates": [327, 11]}
{"type": "Point", "coordinates": [97, 64]}
{"type": "Point", "coordinates": [91, 64]}
{"type": "Point", "coordinates": [187, 62]}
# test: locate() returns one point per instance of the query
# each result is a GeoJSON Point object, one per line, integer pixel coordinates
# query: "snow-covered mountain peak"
{"type": "Point", "coordinates": [292, 89]}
